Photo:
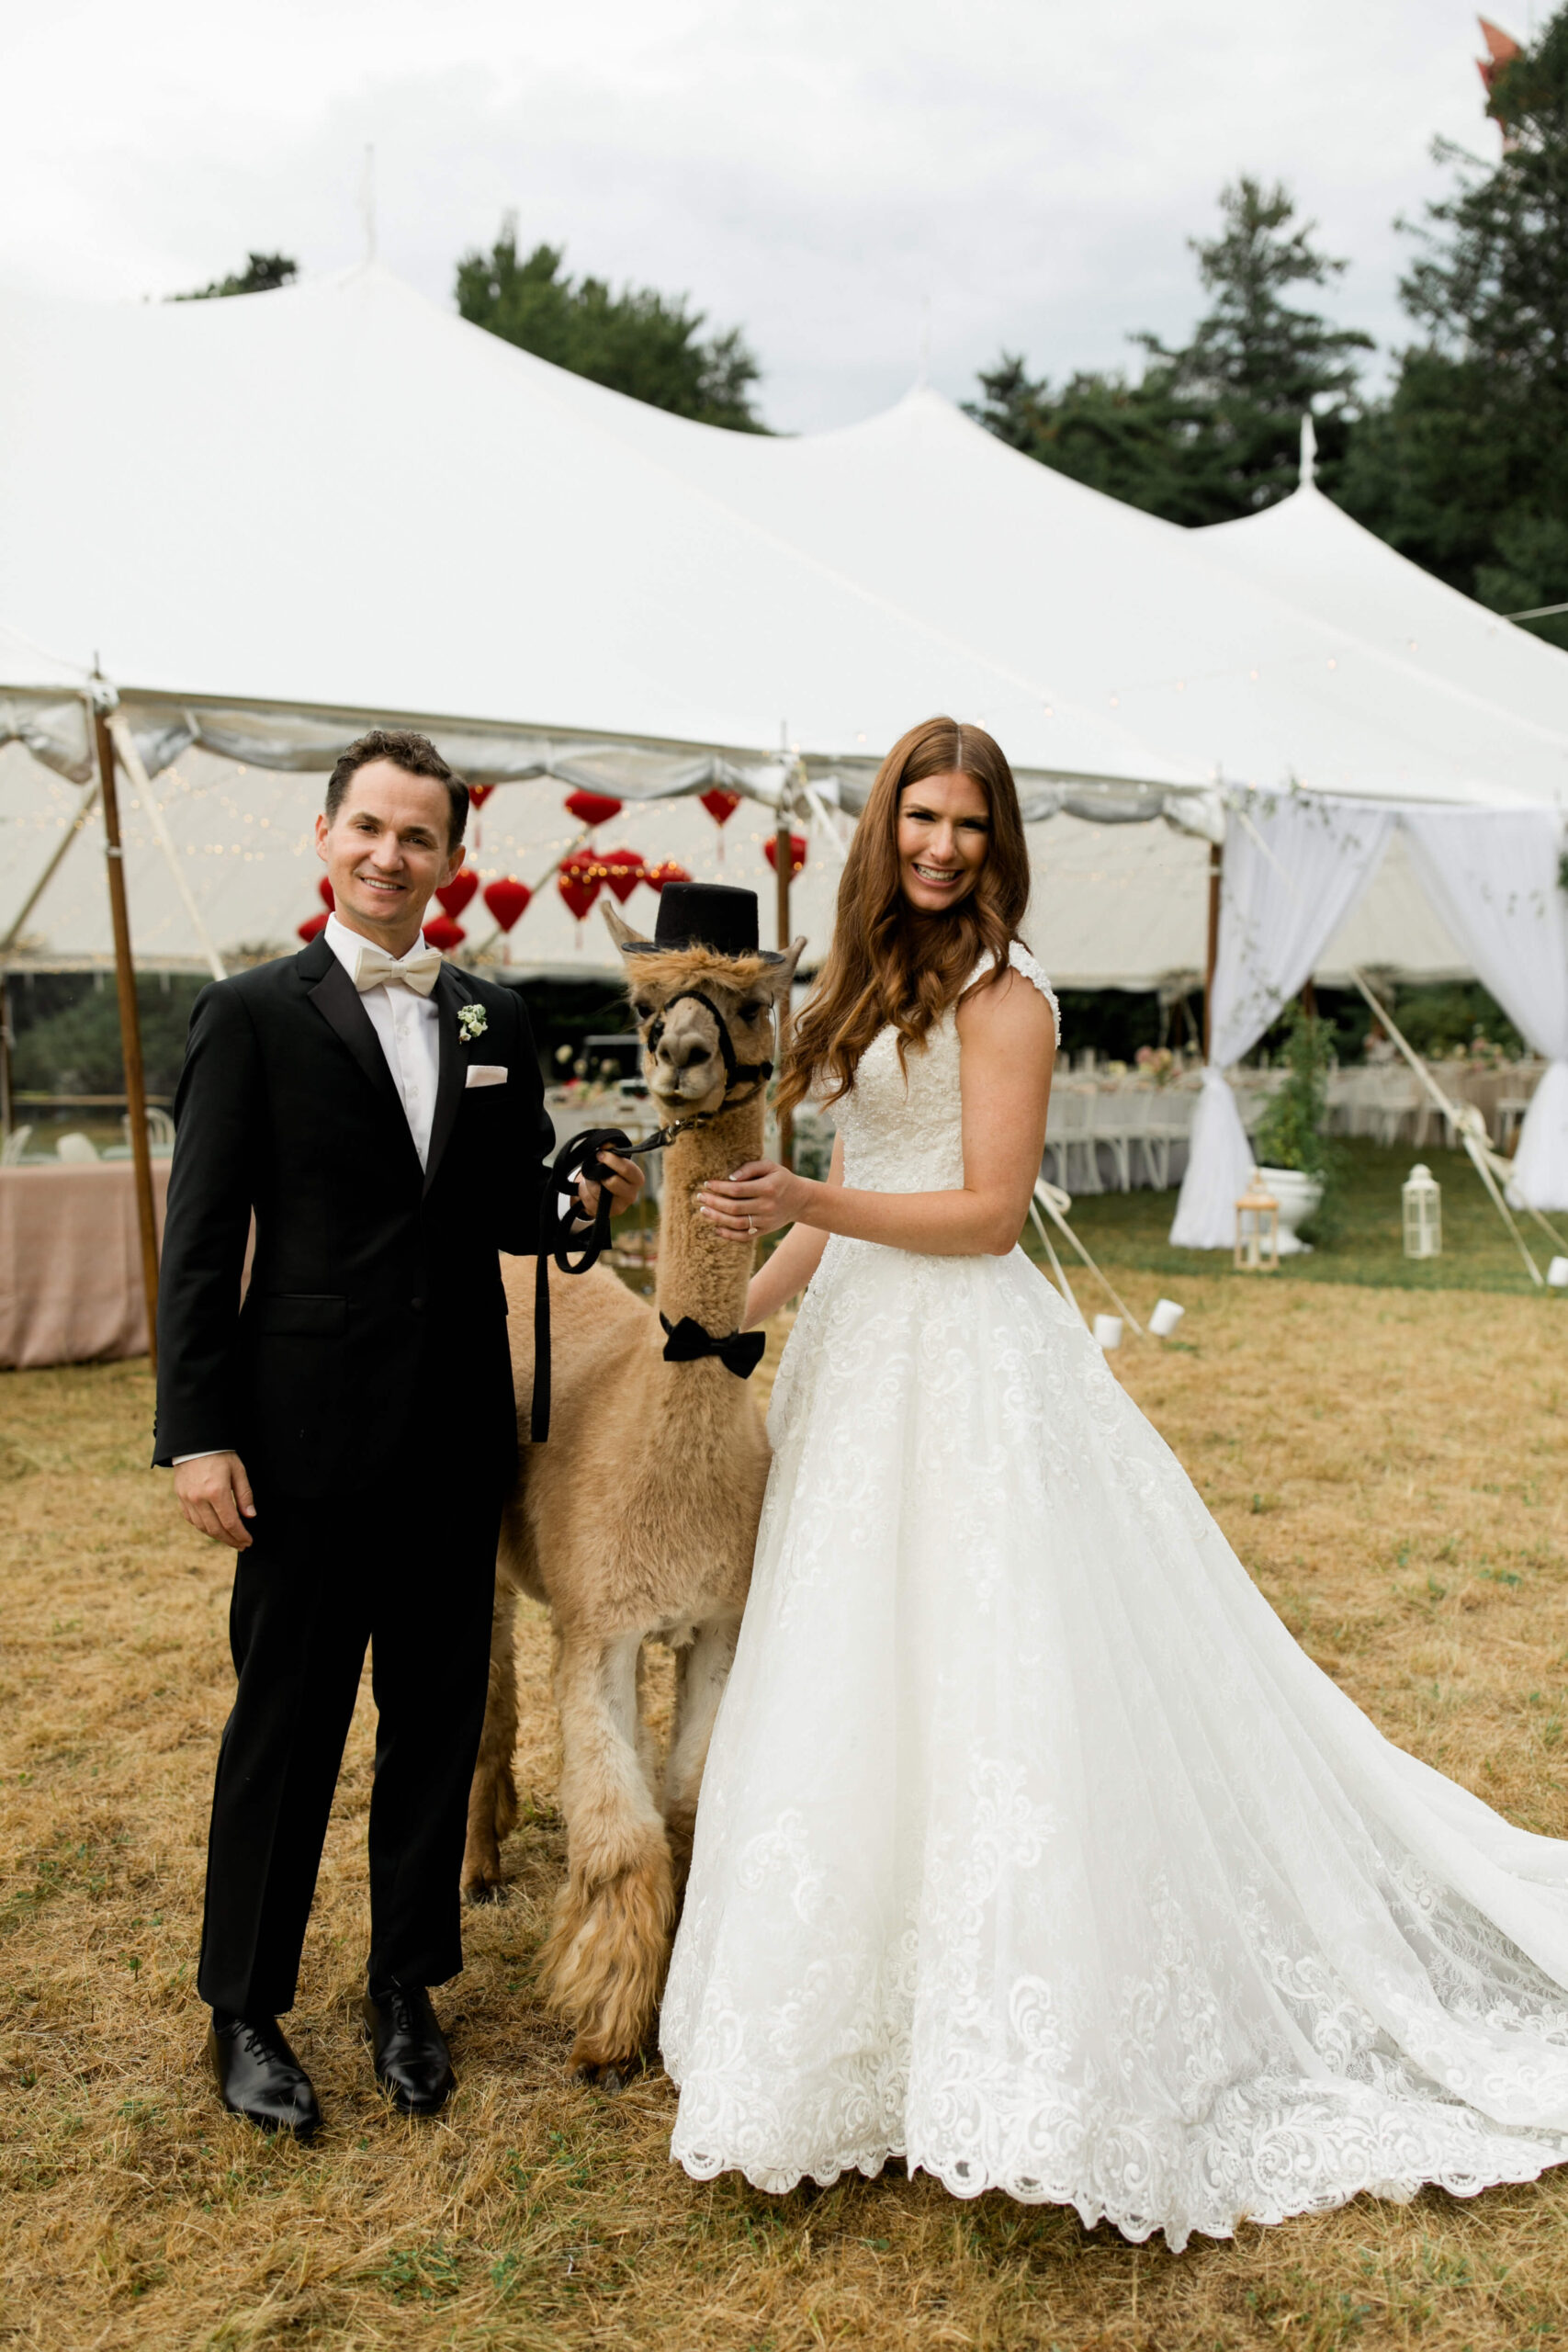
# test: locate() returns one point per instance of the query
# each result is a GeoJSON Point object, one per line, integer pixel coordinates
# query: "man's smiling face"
{"type": "Point", "coordinates": [387, 850]}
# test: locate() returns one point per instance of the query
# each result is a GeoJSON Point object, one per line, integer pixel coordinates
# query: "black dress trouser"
{"type": "Point", "coordinates": [410, 1573]}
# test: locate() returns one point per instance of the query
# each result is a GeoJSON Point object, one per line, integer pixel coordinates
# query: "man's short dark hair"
{"type": "Point", "coordinates": [416, 755]}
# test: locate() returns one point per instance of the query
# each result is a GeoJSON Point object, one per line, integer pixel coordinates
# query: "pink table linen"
{"type": "Point", "coordinates": [71, 1263]}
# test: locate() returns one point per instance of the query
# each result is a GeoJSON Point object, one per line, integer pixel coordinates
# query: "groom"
{"type": "Point", "coordinates": [350, 1430]}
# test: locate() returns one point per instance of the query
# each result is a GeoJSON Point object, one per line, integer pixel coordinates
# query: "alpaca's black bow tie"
{"type": "Point", "coordinates": [739, 1352]}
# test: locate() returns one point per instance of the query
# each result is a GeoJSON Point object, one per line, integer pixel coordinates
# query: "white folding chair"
{"type": "Point", "coordinates": [1399, 1097]}
{"type": "Point", "coordinates": [76, 1148]}
{"type": "Point", "coordinates": [1069, 1128]}
{"type": "Point", "coordinates": [1109, 1125]}
{"type": "Point", "coordinates": [13, 1150]}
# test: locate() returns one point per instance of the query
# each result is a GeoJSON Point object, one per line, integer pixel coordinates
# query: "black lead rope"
{"type": "Point", "coordinates": [577, 1252]}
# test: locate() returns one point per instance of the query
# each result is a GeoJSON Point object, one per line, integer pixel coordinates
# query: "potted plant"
{"type": "Point", "coordinates": [1292, 1159]}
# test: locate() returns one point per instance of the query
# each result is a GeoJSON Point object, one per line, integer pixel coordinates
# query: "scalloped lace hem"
{"type": "Point", "coordinates": [964, 2179]}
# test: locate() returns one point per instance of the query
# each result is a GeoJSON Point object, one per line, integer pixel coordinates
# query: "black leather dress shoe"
{"type": "Point", "coordinates": [412, 2062]}
{"type": "Point", "coordinates": [259, 2077]}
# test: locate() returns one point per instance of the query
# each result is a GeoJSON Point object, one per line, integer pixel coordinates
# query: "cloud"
{"type": "Point", "coordinates": [846, 181]}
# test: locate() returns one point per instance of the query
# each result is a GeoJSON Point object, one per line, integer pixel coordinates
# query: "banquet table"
{"type": "Point", "coordinates": [71, 1263]}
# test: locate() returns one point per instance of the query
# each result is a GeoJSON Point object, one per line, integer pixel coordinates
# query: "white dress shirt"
{"type": "Point", "coordinates": [407, 1031]}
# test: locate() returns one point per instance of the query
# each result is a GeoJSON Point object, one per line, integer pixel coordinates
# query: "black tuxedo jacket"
{"type": "Point", "coordinates": [375, 1312]}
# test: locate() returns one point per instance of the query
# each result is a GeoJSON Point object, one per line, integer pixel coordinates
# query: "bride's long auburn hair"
{"type": "Point", "coordinates": [889, 963]}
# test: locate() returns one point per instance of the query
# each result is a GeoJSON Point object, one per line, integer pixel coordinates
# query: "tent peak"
{"type": "Point", "coordinates": [1308, 473]}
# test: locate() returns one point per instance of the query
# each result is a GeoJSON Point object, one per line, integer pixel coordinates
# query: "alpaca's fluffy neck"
{"type": "Point", "coordinates": [700, 1272]}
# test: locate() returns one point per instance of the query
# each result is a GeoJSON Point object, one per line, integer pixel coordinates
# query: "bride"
{"type": "Point", "coordinates": [1032, 1849]}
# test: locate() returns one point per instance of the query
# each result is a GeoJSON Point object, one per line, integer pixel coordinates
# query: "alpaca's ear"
{"type": "Point", "coordinates": [779, 978]}
{"type": "Point", "coordinates": [621, 931]}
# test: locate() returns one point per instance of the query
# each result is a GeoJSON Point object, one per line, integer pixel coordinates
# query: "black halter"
{"type": "Point", "coordinates": [736, 1072]}
{"type": "Point", "coordinates": [575, 1253]}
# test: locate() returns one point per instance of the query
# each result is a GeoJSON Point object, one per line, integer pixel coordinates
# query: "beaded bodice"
{"type": "Point", "coordinates": [904, 1132]}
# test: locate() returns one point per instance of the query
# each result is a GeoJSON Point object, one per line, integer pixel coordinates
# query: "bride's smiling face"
{"type": "Point", "coordinates": [944, 831]}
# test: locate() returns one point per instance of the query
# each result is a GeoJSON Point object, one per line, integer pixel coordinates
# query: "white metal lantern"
{"type": "Point", "coordinates": [1422, 1198]}
{"type": "Point", "coordinates": [1257, 1230]}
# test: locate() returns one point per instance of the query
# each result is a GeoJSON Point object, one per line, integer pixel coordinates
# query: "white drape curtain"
{"type": "Point", "coordinates": [1492, 878]}
{"type": "Point", "coordinates": [1294, 866]}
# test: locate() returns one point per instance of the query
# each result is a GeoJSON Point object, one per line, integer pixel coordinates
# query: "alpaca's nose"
{"type": "Point", "coordinates": [685, 1053]}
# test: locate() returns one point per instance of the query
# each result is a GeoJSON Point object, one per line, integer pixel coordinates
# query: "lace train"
{"type": "Point", "coordinates": [1032, 1848]}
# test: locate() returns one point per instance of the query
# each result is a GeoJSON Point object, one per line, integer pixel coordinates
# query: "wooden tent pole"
{"type": "Point", "coordinates": [129, 1028]}
{"type": "Point", "coordinates": [784, 859]}
{"type": "Point", "coordinates": [1217, 868]}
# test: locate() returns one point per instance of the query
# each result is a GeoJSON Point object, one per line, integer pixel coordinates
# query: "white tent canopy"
{"type": "Point", "coordinates": [268, 518]}
{"type": "Point", "coordinates": [1308, 550]}
{"type": "Point", "coordinates": [310, 507]}
{"type": "Point", "coordinates": [1235, 676]}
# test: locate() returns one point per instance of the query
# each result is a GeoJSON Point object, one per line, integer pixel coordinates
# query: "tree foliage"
{"type": "Point", "coordinates": [262, 274]}
{"type": "Point", "coordinates": [1210, 430]}
{"type": "Point", "coordinates": [639, 342]}
{"type": "Point", "coordinates": [1465, 466]}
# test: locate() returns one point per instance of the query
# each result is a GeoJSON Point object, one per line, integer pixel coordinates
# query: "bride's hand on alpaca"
{"type": "Point", "coordinates": [757, 1199]}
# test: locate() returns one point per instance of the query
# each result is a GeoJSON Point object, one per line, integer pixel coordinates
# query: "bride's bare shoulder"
{"type": "Point", "coordinates": [1012, 1013]}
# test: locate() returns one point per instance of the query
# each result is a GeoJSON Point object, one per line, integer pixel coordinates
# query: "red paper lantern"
{"type": "Point", "coordinates": [507, 900]}
{"type": "Point", "coordinates": [624, 869]}
{"type": "Point", "coordinates": [311, 927]}
{"type": "Point", "coordinates": [797, 852]}
{"type": "Point", "coordinates": [593, 808]}
{"type": "Point", "coordinates": [442, 933]}
{"type": "Point", "coordinates": [478, 794]}
{"type": "Point", "coordinates": [579, 882]}
{"type": "Point", "coordinates": [325, 888]}
{"type": "Point", "coordinates": [720, 805]}
{"type": "Point", "coordinates": [455, 895]}
{"type": "Point", "coordinates": [665, 870]}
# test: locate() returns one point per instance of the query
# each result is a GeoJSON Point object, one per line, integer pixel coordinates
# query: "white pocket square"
{"type": "Point", "coordinates": [486, 1074]}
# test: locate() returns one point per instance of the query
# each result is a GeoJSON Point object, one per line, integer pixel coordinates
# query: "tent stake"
{"type": "Point", "coordinates": [130, 1029]}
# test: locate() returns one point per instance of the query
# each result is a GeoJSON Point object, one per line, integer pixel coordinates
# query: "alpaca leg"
{"type": "Point", "coordinates": [702, 1673]}
{"type": "Point", "coordinates": [492, 1798]}
{"type": "Point", "coordinates": [603, 1961]}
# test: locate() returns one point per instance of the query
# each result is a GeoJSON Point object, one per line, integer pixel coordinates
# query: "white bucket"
{"type": "Point", "coordinates": [1166, 1318]}
{"type": "Point", "coordinates": [1557, 1274]}
{"type": "Point", "coordinates": [1108, 1331]}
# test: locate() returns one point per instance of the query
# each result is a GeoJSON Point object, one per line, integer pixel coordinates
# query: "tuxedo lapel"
{"type": "Point", "coordinates": [340, 1004]}
{"type": "Point", "coordinates": [449, 1077]}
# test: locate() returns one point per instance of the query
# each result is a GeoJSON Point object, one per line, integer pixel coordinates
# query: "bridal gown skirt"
{"type": "Point", "coordinates": [1033, 1850]}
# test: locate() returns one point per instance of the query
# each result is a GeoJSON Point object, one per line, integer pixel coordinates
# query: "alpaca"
{"type": "Point", "coordinates": [636, 1521]}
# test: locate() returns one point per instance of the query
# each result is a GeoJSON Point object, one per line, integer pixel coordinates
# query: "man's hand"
{"type": "Point", "coordinates": [624, 1186]}
{"type": "Point", "coordinates": [215, 1496]}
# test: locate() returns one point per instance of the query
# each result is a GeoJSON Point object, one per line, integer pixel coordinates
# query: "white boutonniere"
{"type": "Point", "coordinates": [473, 1021]}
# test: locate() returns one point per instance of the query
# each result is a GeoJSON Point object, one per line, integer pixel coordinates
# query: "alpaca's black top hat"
{"type": "Point", "coordinates": [706, 914]}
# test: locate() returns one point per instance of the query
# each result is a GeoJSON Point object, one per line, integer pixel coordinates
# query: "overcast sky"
{"type": "Point", "coordinates": [830, 175]}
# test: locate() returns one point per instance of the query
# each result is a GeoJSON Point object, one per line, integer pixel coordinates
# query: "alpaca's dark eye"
{"type": "Point", "coordinates": [751, 1008]}
{"type": "Point", "coordinates": [641, 1009]}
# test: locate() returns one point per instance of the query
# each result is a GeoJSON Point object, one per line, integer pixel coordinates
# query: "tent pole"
{"type": "Point", "coordinates": [783, 859]}
{"type": "Point", "coordinates": [130, 1029]}
{"type": "Point", "coordinates": [1217, 866]}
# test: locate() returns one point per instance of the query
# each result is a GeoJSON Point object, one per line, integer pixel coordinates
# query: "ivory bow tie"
{"type": "Point", "coordinates": [374, 969]}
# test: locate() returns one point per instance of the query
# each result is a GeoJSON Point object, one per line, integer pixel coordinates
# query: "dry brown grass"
{"type": "Point", "coordinates": [1391, 1466]}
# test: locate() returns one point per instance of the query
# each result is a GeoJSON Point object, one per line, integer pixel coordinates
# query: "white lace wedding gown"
{"type": "Point", "coordinates": [1030, 1847]}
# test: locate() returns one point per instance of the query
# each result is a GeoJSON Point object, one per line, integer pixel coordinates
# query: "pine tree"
{"type": "Point", "coordinates": [1466, 468]}
{"type": "Point", "coordinates": [639, 342]}
{"type": "Point", "coordinates": [1212, 430]}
